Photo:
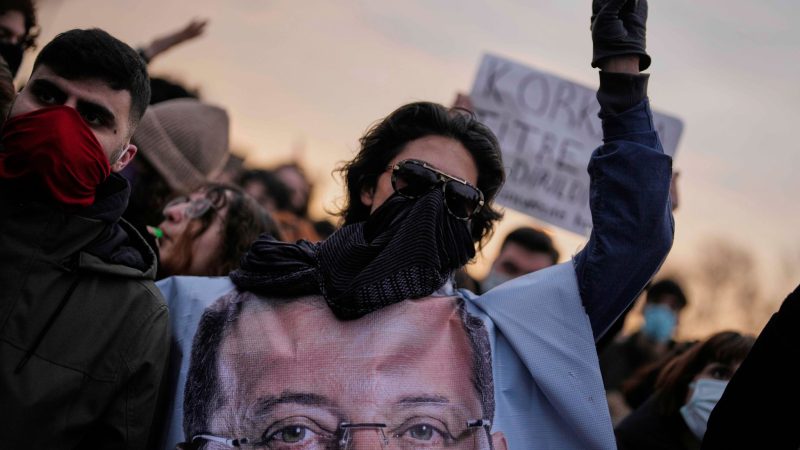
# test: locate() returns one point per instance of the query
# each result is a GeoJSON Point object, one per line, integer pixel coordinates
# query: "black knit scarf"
{"type": "Point", "coordinates": [406, 249]}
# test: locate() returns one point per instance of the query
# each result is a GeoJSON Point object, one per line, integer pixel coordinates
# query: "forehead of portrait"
{"type": "Point", "coordinates": [250, 350]}
{"type": "Point", "coordinates": [385, 140]}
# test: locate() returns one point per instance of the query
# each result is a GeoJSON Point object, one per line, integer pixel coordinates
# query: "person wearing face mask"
{"type": "Point", "coordinates": [687, 390]}
{"type": "Point", "coordinates": [524, 250]}
{"type": "Point", "coordinates": [621, 359]}
{"type": "Point", "coordinates": [419, 200]}
{"type": "Point", "coordinates": [18, 31]}
{"type": "Point", "coordinates": [84, 333]}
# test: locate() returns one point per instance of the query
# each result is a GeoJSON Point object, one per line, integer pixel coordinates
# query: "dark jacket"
{"type": "Point", "coordinates": [83, 330]}
{"type": "Point", "coordinates": [625, 357]}
{"type": "Point", "coordinates": [648, 429]}
{"type": "Point", "coordinates": [759, 406]}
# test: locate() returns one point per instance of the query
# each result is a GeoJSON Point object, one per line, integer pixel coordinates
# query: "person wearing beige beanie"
{"type": "Point", "coordinates": [185, 140]}
{"type": "Point", "coordinates": [184, 143]}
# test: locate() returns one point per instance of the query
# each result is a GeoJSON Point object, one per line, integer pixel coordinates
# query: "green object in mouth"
{"type": "Point", "coordinates": [155, 231]}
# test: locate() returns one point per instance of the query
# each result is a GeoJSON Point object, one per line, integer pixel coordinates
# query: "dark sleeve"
{"type": "Point", "coordinates": [645, 429]}
{"type": "Point", "coordinates": [629, 201]}
{"type": "Point", "coordinates": [620, 92]}
{"type": "Point", "coordinates": [759, 406]}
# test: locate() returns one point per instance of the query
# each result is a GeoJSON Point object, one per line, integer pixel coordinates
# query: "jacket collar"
{"type": "Point", "coordinates": [94, 237]}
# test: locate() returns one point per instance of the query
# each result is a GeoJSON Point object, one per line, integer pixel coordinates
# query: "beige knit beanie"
{"type": "Point", "coordinates": [185, 140]}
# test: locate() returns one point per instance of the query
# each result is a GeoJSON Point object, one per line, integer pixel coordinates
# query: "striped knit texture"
{"type": "Point", "coordinates": [406, 250]}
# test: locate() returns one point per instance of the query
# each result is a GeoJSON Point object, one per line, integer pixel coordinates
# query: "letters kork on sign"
{"type": "Point", "coordinates": [547, 127]}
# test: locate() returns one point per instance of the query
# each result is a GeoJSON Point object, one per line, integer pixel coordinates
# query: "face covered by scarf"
{"type": "Point", "coordinates": [12, 54]}
{"type": "Point", "coordinates": [53, 150]}
{"type": "Point", "coordinates": [407, 249]}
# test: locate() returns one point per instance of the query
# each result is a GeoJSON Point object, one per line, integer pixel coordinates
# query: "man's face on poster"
{"type": "Point", "coordinates": [291, 374]}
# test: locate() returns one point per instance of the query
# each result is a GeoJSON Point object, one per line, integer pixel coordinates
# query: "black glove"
{"type": "Point", "coordinates": [618, 28]}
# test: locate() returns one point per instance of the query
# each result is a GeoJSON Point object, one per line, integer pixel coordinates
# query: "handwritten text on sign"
{"type": "Point", "coordinates": [548, 128]}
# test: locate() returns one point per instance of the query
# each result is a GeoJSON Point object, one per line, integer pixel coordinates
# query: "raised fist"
{"type": "Point", "coordinates": [618, 28]}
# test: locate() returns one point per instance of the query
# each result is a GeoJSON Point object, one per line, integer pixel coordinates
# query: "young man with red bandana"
{"type": "Point", "coordinates": [83, 331]}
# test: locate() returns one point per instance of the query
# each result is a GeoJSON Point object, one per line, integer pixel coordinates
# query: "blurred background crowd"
{"type": "Point", "coordinates": [224, 161]}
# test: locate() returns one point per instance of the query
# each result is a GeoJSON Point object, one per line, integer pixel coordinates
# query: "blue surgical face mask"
{"type": "Point", "coordinates": [659, 322]}
{"type": "Point", "coordinates": [493, 280]}
{"type": "Point", "coordinates": [697, 410]}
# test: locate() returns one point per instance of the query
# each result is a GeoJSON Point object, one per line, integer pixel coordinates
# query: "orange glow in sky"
{"type": "Point", "coordinates": [315, 74]}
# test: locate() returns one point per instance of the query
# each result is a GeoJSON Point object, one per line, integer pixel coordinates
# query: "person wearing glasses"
{"type": "Point", "coordinates": [184, 144]}
{"type": "Point", "coordinates": [287, 373]}
{"type": "Point", "coordinates": [419, 199]}
{"type": "Point", "coordinates": [207, 232]}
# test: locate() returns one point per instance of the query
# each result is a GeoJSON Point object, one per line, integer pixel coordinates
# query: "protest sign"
{"type": "Point", "coordinates": [547, 127]}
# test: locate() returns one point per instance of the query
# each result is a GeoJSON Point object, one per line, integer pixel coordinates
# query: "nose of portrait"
{"type": "Point", "coordinates": [367, 439]}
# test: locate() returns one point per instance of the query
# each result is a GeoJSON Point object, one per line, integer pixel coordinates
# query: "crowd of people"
{"type": "Point", "coordinates": [157, 293]}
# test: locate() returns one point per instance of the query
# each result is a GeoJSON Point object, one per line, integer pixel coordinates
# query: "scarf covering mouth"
{"type": "Point", "coordinates": [406, 249]}
{"type": "Point", "coordinates": [56, 153]}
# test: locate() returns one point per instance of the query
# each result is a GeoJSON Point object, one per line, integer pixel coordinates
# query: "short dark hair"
{"type": "Point", "coordinates": [672, 385]}
{"type": "Point", "coordinates": [666, 287]}
{"type": "Point", "coordinates": [202, 394]}
{"type": "Point", "coordinates": [532, 240]}
{"type": "Point", "coordinates": [388, 137]}
{"type": "Point", "coordinates": [95, 54]}
{"type": "Point", "coordinates": [28, 9]}
{"type": "Point", "coordinates": [273, 186]}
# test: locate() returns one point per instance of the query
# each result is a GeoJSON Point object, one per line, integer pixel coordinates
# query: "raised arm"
{"type": "Point", "coordinates": [630, 174]}
{"type": "Point", "coordinates": [159, 45]}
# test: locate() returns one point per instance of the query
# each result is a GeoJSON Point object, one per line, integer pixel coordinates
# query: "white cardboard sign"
{"type": "Point", "coordinates": [547, 127]}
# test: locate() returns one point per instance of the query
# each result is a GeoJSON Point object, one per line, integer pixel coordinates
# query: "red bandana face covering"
{"type": "Point", "coordinates": [54, 148]}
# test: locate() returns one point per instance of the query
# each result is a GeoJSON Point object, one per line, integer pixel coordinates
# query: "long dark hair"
{"type": "Point", "coordinates": [388, 137]}
{"type": "Point", "coordinates": [243, 222]}
{"type": "Point", "coordinates": [672, 385]}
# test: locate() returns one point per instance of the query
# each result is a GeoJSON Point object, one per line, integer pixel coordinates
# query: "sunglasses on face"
{"type": "Point", "coordinates": [195, 208]}
{"type": "Point", "coordinates": [412, 179]}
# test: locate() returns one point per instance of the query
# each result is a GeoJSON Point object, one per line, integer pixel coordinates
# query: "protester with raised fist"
{"type": "Point", "coordinates": [420, 197]}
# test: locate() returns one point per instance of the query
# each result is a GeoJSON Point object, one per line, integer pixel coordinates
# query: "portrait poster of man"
{"type": "Point", "coordinates": [286, 373]}
{"type": "Point", "coordinates": [363, 341]}
{"type": "Point", "coordinates": [512, 366]}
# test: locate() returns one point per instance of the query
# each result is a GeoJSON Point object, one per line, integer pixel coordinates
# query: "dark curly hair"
{"type": "Point", "coordinates": [244, 221]}
{"type": "Point", "coordinates": [28, 9]}
{"type": "Point", "coordinates": [388, 137]}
